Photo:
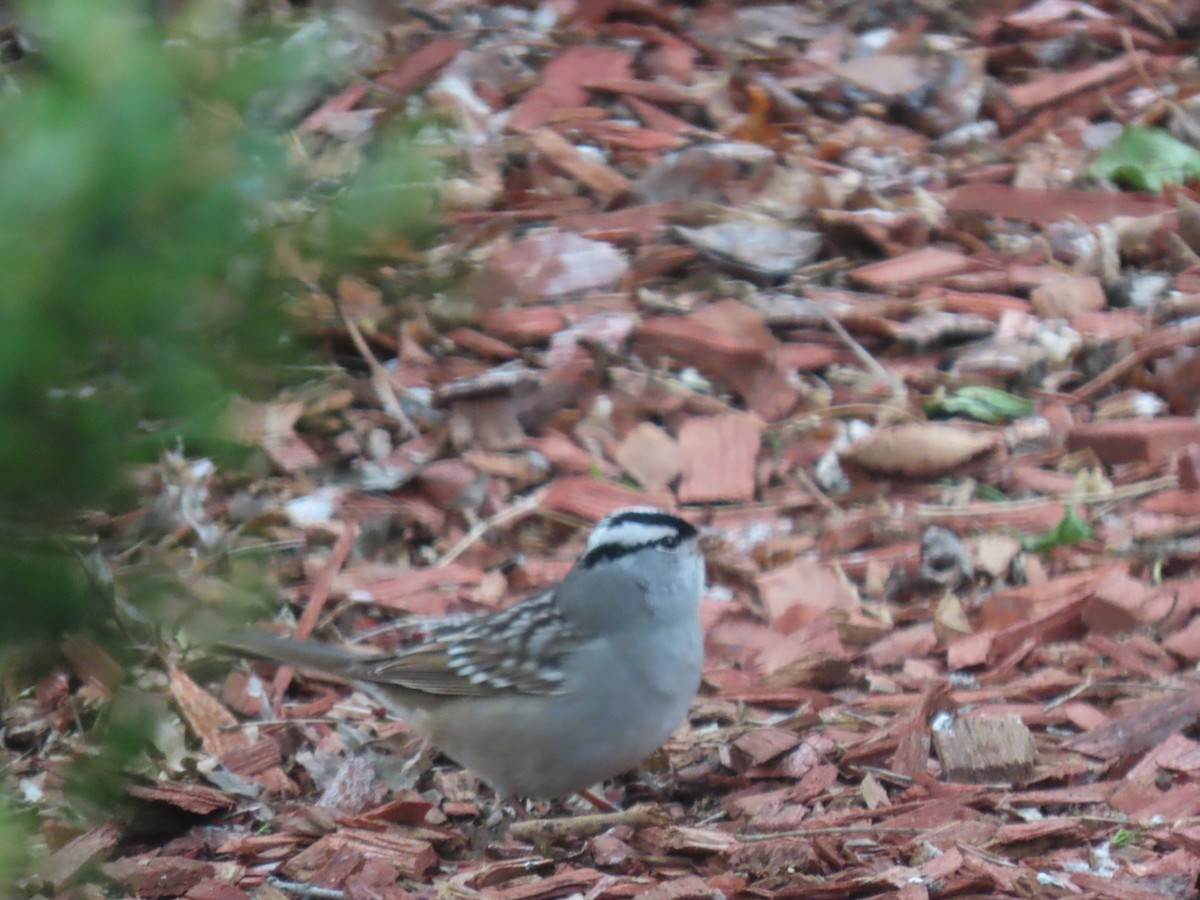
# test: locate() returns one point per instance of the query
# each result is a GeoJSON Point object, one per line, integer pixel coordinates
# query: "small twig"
{"type": "Point", "coordinates": [381, 380]}
{"type": "Point", "coordinates": [843, 829]}
{"type": "Point", "coordinates": [582, 826]}
{"type": "Point", "coordinates": [823, 499]}
{"type": "Point", "coordinates": [1136, 61]}
{"type": "Point", "coordinates": [885, 774]}
{"type": "Point", "coordinates": [1114, 820]}
{"type": "Point", "coordinates": [984, 855]}
{"type": "Point", "coordinates": [1150, 347]}
{"type": "Point", "coordinates": [515, 511]}
{"type": "Point", "coordinates": [1127, 492]}
{"type": "Point", "coordinates": [712, 817]}
{"type": "Point", "coordinates": [321, 589]}
{"type": "Point", "coordinates": [814, 419]}
{"type": "Point", "coordinates": [598, 803]}
{"type": "Point", "coordinates": [676, 386]}
{"type": "Point", "coordinates": [1081, 688]}
{"type": "Point", "coordinates": [871, 363]}
{"type": "Point", "coordinates": [1179, 246]}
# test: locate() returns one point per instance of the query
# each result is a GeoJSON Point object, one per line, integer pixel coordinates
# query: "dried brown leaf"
{"type": "Point", "coordinates": [918, 450]}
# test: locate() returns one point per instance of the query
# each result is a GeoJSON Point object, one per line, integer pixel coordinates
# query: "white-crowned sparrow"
{"type": "Point", "coordinates": [561, 690]}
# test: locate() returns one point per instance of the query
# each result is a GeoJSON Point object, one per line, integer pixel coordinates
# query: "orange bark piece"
{"type": "Point", "coordinates": [1148, 724]}
{"type": "Point", "coordinates": [562, 83]}
{"type": "Point", "coordinates": [523, 326]}
{"type": "Point", "coordinates": [80, 852]}
{"type": "Point", "coordinates": [158, 876]}
{"type": "Point", "coordinates": [194, 798]}
{"type": "Point", "coordinates": [657, 119]}
{"type": "Point", "coordinates": [649, 456]}
{"type": "Point", "coordinates": [607, 183]}
{"type": "Point", "coordinates": [986, 304]}
{"type": "Point", "coordinates": [919, 265]}
{"type": "Point", "coordinates": [397, 587]}
{"type": "Point", "coordinates": [806, 585]}
{"type": "Point", "coordinates": [1110, 325]}
{"type": "Point", "coordinates": [717, 456]}
{"type": "Point", "coordinates": [633, 224]}
{"type": "Point", "coordinates": [419, 68]}
{"type": "Point", "coordinates": [218, 731]}
{"type": "Point", "coordinates": [1066, 298]}
{"type": "Point", "coordinates": [590, 498]}
{"type": "Point", "coordinates": [1149, 442]}
{"type": "Point", "coordinates": [1045, 206]}
{"type": "Point", "coordinates": [1044, 91]}
{"type": "Point", "coordinates": [653, 91]}
{"type": "Point", "coordinates": [482, 344]}
{"type": "Point", "coordinates": [341, 102]}
{"type": "Point", "coordinates": [1119, 604]}
{"type": "Point", "coordinates": [412, 856]}
{"type": "Point", "coordinates": [1186, 643]}
{"type": "Point", "coordinates": [569, 458]}
{"type": "Point", "coordinates": [626, 135]}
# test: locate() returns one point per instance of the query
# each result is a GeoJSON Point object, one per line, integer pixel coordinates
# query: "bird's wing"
{"type": "Point", "coordinates": [518, 650]}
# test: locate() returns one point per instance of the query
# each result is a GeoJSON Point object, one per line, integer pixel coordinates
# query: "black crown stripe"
{"type": "Point", "coordinates": [666, 520]}
{"type": "Point", "coordinates": [607, 552]}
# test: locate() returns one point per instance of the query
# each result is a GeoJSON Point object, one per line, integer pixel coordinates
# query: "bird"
{"type": "Point", "coordinates": [559, 691]}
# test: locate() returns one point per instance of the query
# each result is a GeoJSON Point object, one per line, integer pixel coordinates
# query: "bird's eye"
{"type": "Point", "coordinates": [670, 543]}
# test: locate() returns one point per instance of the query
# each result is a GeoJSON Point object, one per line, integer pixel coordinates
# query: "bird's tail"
{"type": "Point", "coordinates": [302, 654]}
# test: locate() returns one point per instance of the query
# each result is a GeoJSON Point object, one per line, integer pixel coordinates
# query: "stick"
{"type": "Point", "coordinates": [582, 826]}
{"type": "Point", "coordinates": [316, 601]}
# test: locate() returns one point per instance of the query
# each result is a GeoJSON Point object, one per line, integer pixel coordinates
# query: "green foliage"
{"type": "Point", "coordinates": [119, 220]}
{"type": "Point", "coordinates": [16, 827]}
{"type": "Point", "coordinates": [984, 404]}
{"type": "Point", "coordinates": [136, 293]}
{"type": "Point", "coordinates": [1145, 159]}
{"type": "Point", "coordinates": [1071, 529]}
{"type": "Point", "coordinates": [133, 282]}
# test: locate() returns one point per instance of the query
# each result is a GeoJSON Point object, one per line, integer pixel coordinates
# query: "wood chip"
{"type": "Point", "coordinates": [608, 184]}
{"type": "Point", "coordinates": [717, 457]}
{"type": "Point", "coordinates": [1140, 729]}
{"type": "Point", "coordinates": [61, 867]}
{"type": "Point", "coordinates": [412, 857]}
{"type": "Point", "coordinates": [649, 456]}
{"type": "Point", "coordinates": [985, 749]}
{"type": "Point", "coordinates": [1067, 298]}
{"type": "Point", "coordinates": [919, 265]}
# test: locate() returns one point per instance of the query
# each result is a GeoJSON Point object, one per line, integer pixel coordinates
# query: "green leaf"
{"type": "Point", "coordinates": [1071, 529]}
{"type": "Point", "coordinates": [1124, 836]}
{"type": "Point", "coordinates": [984, 404]}
{"type": "Point", "coordinates": [1144, 159]}
{"type": "Point", "coordinates": [989, 492]}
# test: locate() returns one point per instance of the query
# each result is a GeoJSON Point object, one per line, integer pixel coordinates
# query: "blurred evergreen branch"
{"type": "Point", "coordinates": [136, 294]}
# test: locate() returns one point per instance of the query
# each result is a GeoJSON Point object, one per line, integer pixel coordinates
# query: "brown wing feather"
{"type": "Point", "coordinates": [424, 669]}
{"type": "Point", "coordinates": [518, 650]}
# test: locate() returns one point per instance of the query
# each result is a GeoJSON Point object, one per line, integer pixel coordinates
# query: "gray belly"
{"type": "Point", "coordinates": [554, 746]}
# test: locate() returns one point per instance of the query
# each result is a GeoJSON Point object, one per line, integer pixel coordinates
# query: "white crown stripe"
{"type": "Point", "coordinates": [630, 534]}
